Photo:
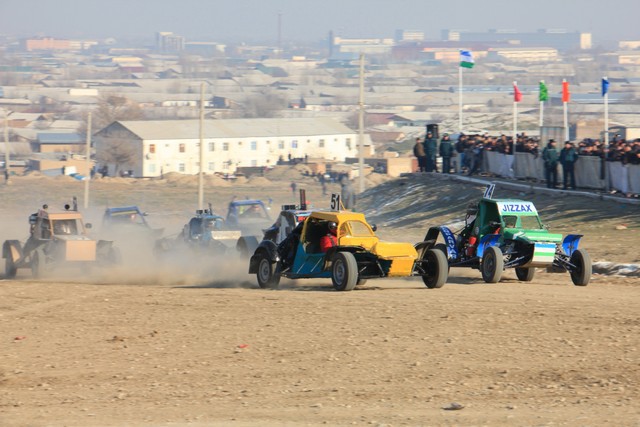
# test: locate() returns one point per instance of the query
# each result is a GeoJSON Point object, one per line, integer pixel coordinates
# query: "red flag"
{"type": "Point", "coordinates": [566, 95]}
{"type": "Point", "coordinates": [517, 95]}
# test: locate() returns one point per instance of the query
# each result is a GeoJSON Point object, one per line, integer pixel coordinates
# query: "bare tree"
{"type": "Point", "coordinates": [112, 108]}
{"type": "Point", "coordinates": [118, 152]}
{"type": "Point", "coordinates": [264, 106]}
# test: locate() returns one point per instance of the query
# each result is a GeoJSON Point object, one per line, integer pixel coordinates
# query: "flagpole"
{"type": "Point", "coordinates": [606, 134]}
{"type": "Point", "coordinates": [541, 113]}
{"type": "Point", "coordinates": [565, 113]}
{"type": "Point", "coordinates": [541, 104]}
{"type": "Point", "coordinates": [606, 117]}
{"type": "Point", "coordinates": [566, 122]}
{"type": "Point", "coordinates": [515, 116]}
{"type": "Point", "coordinates": [460, 98]}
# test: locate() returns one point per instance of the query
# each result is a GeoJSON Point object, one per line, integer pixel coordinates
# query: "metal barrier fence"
{"type": "Point", "coordinates": [588, 171]}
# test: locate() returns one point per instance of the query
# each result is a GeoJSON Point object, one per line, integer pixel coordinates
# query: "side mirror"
{"type": "Point", "coordinates": [374, 227]}
{"type": "Point", "coordinates": [88, 226]}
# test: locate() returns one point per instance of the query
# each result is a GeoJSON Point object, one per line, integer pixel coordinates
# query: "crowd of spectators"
{"type": "Point", "coordinates": [619, 150]}
{"type": "Point", "coordinates": [471, 147]}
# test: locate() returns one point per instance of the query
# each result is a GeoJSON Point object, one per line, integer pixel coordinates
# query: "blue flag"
{"type": "Point", "coordinates": [605, 86]}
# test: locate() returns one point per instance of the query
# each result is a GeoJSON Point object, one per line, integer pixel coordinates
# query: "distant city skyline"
{"type": "Point", "coordinates": [308, 21]}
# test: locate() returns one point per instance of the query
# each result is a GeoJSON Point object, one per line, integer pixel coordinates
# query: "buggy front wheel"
{"type": "Point", "coordinates": [581, 272]}
{"type": "Point", "coordinates": [344, 272]}
{"type": "Point", "coordinates": [492, 264]}
{"type": "Point", "coordinates": [268, 274]}
{"type": "Point", "coordinates": [436, 268]}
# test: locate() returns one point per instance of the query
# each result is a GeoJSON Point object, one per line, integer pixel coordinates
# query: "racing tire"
{"type": "Point", "coordinates": [10, 269]}
{"type": "Point", "coordinates": [581, 275]}
{"type": "Point", "coordinates": [37, 263]}
{"type": "Point", "coordinates": [114, 257]}
{"type": "Point", "coordinates": [525, 274]}
{"type": "Point", "coordinates": [437, 268]}
{"type": "Point", "coordinates": [268, 273]}
{"type": "Point", "coordinates": [344, 271]}
{"type": "Point", "coordinates": [241, 248]}
{"type": "Point", "coordinates": [361, 283]}
{"type": "Point", "coordinates": [492, 264]}
{"type": "Point", "coordinates": [441, 247]}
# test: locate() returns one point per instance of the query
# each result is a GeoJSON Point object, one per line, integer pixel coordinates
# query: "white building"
{"type": "Point", "coordinates": [164, 146]}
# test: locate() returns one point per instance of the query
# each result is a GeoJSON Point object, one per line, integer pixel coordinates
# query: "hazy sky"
{"type": "Point", "coordinates": [311, 20]}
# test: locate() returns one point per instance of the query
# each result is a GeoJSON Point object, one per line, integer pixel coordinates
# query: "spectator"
{"type": "Point", "coordinates": [418, 151]}
{"type": "Point", "coordinates": [550, 158]}
{"type": "Point", "coordinates": [430, 150]}
{"type": "Point", "coordinates": [460, 149]}
{"type": "Point", "coordinates": [446, 152]}
{"type": "Point", "coordinates": [347, 193]}
{"type": "Point", "coordinates": [568, 159]}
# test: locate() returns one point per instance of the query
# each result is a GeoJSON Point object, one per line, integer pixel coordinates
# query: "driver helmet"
{"type": "Point", "coordinates": [333, 227]}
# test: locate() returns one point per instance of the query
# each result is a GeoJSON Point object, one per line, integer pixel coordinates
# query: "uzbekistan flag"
{"type": "Point", "coordinates": [605, 86]}
{"type": "Point", "coordinates": [517, 95]}
{"type": "Point", "coordinates": [466, 59]}
{"type": "Point", "coordinates": [544, 93]}
{"type": "Point", "coordinates": [566, 95]}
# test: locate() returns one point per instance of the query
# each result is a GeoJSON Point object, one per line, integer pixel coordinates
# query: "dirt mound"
{"type": "Point", "coordinates": [286, 173]}
{"type": "Point", "coordinates": [31, 175]}
{"type": "Point", "coordinates": [216, 181]}
{"type": "Point", "coordinates": [117, 180]}
{"type": "Point", "coordinates": [240, 180]}
{"type": "Point", "coordinates": [375, 179]}
{"type": "Point", "coordinates": [259, 181]}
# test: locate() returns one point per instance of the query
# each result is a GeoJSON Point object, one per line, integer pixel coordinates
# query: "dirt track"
{"type": "Point", "coordinates": [394, 353]}
{"type": "Point", "coordinates": [149, 350]}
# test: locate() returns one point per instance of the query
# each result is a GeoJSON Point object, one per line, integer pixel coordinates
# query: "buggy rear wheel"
{"type": "Point", "coordinates": [492, 264]}
{"type": "Point", "coordinates": [581, 273]}
{"type": "Point", "coordinates": [344, 272]}
{"type": "Point", "coordinates": [12, 251]}
{"type": "Point", "coordinates": [436, 268]}
{"type": "Point", "coordinates": [37, 263]}
{"type": "Point", "coordinates": [268, 273]}
{"type": "Point", "coordinates": [114, 257]}
{"type": "Point", "coordinates": [10, 268]}
{"type": "Point", "coordinates": [525, 274]}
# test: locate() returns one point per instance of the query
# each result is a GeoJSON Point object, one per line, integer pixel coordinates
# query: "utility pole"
{"type": "Point", "coordinates": [7, 169]}
{"type": "Point", "coordinates": [361, 126]}
{"type": "Point", "coordinates": [87, 163]}
{"type": "Point", "coordinates": [201, 172]}
{"type": "Point", "coordinates": [279, 54]}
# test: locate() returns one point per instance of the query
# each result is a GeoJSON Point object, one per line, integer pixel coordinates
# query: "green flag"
{"type": "Point", "coordinates": [544, 94]}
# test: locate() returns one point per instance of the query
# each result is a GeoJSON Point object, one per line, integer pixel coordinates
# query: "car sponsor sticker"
{"type": "Point", "coordinates": [516, 208]}
{"type": "Point", "coordinates": [450, 239]}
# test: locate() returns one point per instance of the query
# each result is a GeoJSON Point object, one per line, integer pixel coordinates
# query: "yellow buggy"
{"type": "Point", "coordinates": [358, 255]}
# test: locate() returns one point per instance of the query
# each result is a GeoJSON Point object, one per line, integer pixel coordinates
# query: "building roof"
{"type": "Point", "coordinates": [234, 128]}
{"type": "Point", "coordinates": [59, 138]}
